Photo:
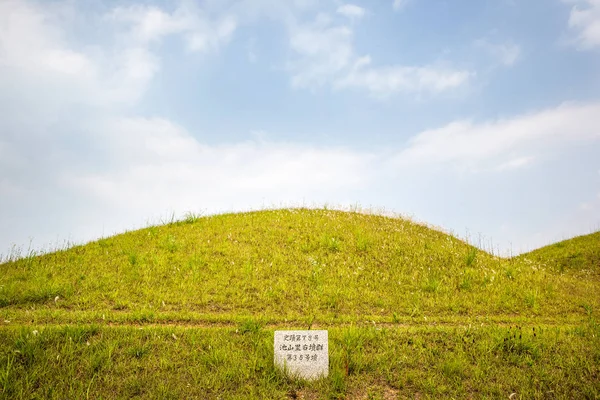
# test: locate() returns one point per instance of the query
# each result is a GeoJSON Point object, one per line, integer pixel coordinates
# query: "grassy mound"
{"type": "Point", "coordinates": [578, 254]}
{"type": "Point", "coordinates": [411, 311]}
{"type": "Point", "coordinates": [286, 265]}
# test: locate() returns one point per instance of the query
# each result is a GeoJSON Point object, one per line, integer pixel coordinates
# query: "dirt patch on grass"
{"type": "Point", "coordinates": [375, 391]}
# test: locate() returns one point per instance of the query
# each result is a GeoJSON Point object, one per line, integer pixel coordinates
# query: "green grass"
{"type": "Point", "coordinates": [578, 254]}
{"type": "Point", "coordinates": [174, 362]}
{"type": "Point", "coordinates": [188, 309]}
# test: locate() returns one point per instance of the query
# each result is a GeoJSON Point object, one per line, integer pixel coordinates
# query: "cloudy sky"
{"type": "Point", "coordinates": [481, 117]}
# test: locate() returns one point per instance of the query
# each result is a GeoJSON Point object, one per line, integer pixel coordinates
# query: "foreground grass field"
{"type": "Point", "coordinates": [188, 310]}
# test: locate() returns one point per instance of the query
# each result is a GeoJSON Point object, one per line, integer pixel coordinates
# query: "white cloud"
{"type": "Point", "coordinates": [41, 67]}
{"type": "Point", "coordinates": [516, 163]}
{"type": "Point", "coordinates": [326, 56]}
{"type": "Point", "coordinates": [149, 24]}
{"type": "Point", "coordinates": [30, 41]}
{"type": "Point", "coordinates": [156, 156]}
{"type": "Point", "coordinates": [351, 11]}
{"type": "Point", "coordinates": [39, 50]}
{"type": "Point", "coordinates": [584, 19]}
{"type": "Point", "coordinates": [324, 52]}
{"type": "Point", "coordinates": [479, 145]}
{"type": "Point", "coordinates": [506, 53]}
{"type": "Point", "coordinates": [382, 82]}
{"type": "Point", "coordinates": [399, 4]}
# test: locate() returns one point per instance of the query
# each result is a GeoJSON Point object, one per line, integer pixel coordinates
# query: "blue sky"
{"type": "Point", "coordinates": [479, 117]}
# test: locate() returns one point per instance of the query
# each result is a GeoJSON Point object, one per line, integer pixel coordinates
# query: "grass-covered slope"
{"type": "Point", "coordinates": [286, 265]}
{"type": "Point", "coordinates": [188, 309]}
{"type": "Point", "coordinates": [578, 254]}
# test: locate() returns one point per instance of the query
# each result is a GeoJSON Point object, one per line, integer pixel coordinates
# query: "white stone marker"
{"type": "Point", "coordinates": [302, 354]}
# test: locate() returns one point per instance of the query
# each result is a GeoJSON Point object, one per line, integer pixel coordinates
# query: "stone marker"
{"type": "Point", "coordinates": [302, 354]}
